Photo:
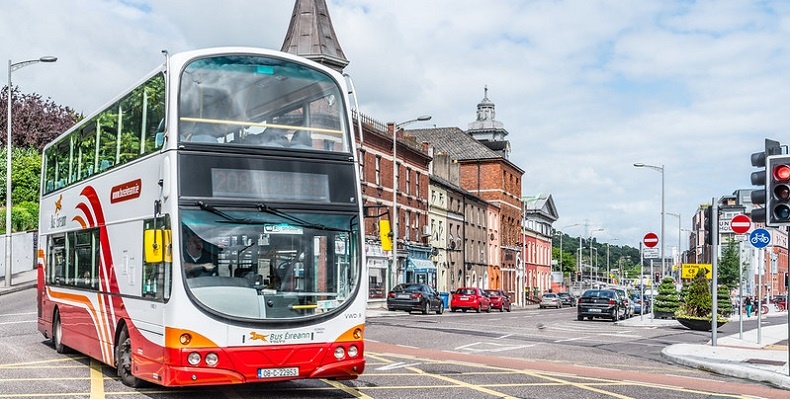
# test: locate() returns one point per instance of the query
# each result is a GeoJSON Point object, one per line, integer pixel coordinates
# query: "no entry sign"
{"type": "Point", "coordinates": [650, 240]}
{"type": "Point", "coordinates": [740, 224]}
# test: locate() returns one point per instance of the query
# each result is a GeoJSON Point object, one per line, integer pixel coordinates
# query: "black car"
{"type": "Point", "coordinates": [600, 303]}
{"type": "Point", "coordinates": [414, 297]}
{"type": "Point", "coordinates": [567, 299]}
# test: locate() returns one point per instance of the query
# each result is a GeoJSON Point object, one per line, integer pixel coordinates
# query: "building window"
{"type": "Point", "coordinates": [362, 165]}
{"type": "Point", "coordinates": [378, 170]}
{"type": "Point", "coordinates": [417, 184]}
{"type": "Point", "coordinates": [408, 181]}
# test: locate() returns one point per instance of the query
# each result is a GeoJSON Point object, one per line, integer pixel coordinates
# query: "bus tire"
{"type": "Point", "coordinates": [57, 335]}
{"type": "Point", "coordinates": [123, 360]}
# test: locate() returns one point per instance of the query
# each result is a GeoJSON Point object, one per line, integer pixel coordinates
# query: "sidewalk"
{"type": "Point", "coordinates": [743, 358]}
{"type": "Point", "coordinates": [19, 281]}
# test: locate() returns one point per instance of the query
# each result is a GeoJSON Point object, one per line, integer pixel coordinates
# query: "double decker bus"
{"type": "Point", "coordinates": [205, 226]}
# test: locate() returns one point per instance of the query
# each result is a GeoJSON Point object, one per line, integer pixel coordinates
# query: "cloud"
{"type": "Point", "coordinates": [585, 88]}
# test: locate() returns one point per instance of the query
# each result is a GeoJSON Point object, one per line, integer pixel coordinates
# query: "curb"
{"type": "Point", "coordinates": [17, 288]}
{"type": "Point", "coordinates": [722, 367]}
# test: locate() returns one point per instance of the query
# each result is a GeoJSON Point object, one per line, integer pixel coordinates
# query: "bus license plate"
{"type": "Point", "coordinates": [277, 372]}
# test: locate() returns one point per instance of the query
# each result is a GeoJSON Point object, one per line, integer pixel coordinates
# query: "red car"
{"type": "Point", "coordinates": [499, 299]}
{"type": "Point", "coordinates": [470, 298]}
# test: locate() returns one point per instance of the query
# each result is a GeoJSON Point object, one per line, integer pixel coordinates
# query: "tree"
{"type": "Point", "coordinates": [35, 121]}
{"type": "Point", "coordinates": [697, 302]}
{"type": "Point", "coordinates": [25, 180]}
{"type": "Point", "coordinates": [728, 273]}
{"type": "Point", "coordinates": [667, 300]}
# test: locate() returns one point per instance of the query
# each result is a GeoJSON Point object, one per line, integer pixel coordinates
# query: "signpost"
{"type": "Point", "coordinates": [740, 224]}
{"type": "Point", "coordinates": [650, 240]}
{"type": "Point", "coordinates": [760, 238]}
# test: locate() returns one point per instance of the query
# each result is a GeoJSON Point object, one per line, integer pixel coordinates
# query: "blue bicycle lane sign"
{"type": "Point", "coordinates": [760, 238]}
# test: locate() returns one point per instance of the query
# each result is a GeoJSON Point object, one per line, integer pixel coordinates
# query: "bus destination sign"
{"type": "Point", "coordinates": [269, 185]}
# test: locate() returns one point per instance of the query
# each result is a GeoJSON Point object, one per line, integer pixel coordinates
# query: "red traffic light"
{"type": "Point", "coordinates": [782, 172]}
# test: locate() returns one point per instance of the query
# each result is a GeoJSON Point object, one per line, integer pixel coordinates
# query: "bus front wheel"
{"type": "Point", "coordinates": [123, 359]}
{"type": "Point", "coordinates": [57, 335]}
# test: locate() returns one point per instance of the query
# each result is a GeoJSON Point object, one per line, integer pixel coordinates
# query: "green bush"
{"type": "Point", "coordinates": [667, 300]}
{"type": "Point", "coordinates": [697, 303]}
{"type": "Point", "coordinates": [723, 301]}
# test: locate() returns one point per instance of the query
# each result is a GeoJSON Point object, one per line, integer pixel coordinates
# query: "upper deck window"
{"type": "Point", "coordinates": [259, 101]}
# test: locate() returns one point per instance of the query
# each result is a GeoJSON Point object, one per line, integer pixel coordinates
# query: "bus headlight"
{"type": "Point", "coordinates": [194, 358]}
{"type": "Point", "coordinates": [353, 351]}
{"type": "Point", "coordinates": [212, 359]}
{"type": "Point", "coordinates": [340, 352]}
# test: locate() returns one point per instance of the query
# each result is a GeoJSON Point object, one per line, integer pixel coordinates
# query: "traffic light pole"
{"type": "Point", "coordinates": [714, 287]}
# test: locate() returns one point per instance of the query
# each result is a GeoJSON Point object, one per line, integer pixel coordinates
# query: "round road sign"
{"type": "Point", "coordinates": [740, 224]}
{"type": "Point", "coordinates": [760, 238]}
{"type": "Point", "coordinates": [650, 240]}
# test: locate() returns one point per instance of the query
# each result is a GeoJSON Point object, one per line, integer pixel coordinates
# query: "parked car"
{"type": "Point", "coordinates": [636, 299]}
{"type": "Point", "coordinates": [470, 298]}
{"type": "Point", "coordinates": [599, 303]}
{"type": "Point", "coordinates": [414, 297]}
{"type": "Point", "coordinates": [550, 300]}
{"type": "Point", "coordinates": [625, 300]}
{"type": "Point", "coordinates": [499, 299]}
{"type": "Point", "coordinates": [567, 299]}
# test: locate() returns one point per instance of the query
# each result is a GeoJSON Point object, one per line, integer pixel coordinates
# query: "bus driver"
{"type": "Point", "coordinates": [198, 261]}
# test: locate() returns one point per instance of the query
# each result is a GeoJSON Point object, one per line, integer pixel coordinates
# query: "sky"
{"type": "Point", "coordinates": [585, 88]}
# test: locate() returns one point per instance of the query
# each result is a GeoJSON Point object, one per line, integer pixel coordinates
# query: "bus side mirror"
{"type": "Point", "coordinates": [158, 245]}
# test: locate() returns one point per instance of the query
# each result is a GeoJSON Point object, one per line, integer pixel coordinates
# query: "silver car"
{"type": "Point", "coordinates": [550, 300]}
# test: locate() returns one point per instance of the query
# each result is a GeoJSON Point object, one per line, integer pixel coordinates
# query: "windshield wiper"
{"type": "Point", "coordinates": [298, 221]}
{"type": "Point", "coordinates": [207, 207]}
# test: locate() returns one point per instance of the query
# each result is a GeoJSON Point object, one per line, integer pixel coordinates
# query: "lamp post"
{"type": "Point", "coordinates": [679, 240]}
{"type": "Point", "coordinates": [608, 268]}
{"type": "Point", "coordinates": [591, 254]}
{"type": "Point", "coordinates": [561, 235]}
{"type": "Point", "coordinates": [395, 187]}
{"type": "Point", "coordinates": [11, 68]}
{"type": "Point", "coordinates": [661, 170]}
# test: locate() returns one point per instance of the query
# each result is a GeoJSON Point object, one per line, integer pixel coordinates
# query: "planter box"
{"type": "Point", "coordinates": [698, 324]}
{"type": "Point", "coordinates": [663, 314]}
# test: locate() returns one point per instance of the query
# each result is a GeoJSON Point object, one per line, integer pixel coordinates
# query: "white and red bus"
{"type": "Point", "coordinates": [205, 227]}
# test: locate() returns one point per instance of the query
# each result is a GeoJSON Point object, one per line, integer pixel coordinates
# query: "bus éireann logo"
{"type": "Point", "coordinates": [258, 336]}
{"type": "Point", "coordinates": [126, 191]}
{"type": "Point", "coordinates": [59, 203]}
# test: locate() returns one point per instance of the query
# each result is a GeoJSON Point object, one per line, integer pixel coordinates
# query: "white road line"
{"type": "Point", "coordinates": [568, 340]}
{"type": "Point", "coordinates": [17, 322]}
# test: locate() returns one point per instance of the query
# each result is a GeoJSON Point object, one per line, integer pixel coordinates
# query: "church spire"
{"type": "Point", "coordinates": [311, 35]}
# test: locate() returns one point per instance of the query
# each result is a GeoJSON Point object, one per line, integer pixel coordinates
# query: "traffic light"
{"type": "Point", "coordinates": [777, 205]}
{"type": "Point", "coordinates": [578, 276]}
{"type": "Point", "coordinates": [787, 280]}
{"type": "Point", "coordinates": [760, 197]}
{"type": "Point", "coordinates": [657, 277]}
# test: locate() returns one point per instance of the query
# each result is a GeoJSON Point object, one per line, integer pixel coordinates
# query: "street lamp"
{"type": "Point", "coordinates": [608, 268]}
{"type": "Point", "coordinates": [561, 235]}
{"type": "Point", "coordinates": [591, 253]}
{"type": "Point", "coordinates": [395, 186]}
{"type": "Point", "coordinates": [661, 170]}
{"type": "Point", "coordinates": [679, 234]}
{"type": "Point", "coordinates": [11, 68]}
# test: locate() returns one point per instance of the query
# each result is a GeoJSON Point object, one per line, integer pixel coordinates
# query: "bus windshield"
{"type": "Point", "coordinates": [257, 101]}
{"type": "Point", "coordinates": [266, 264]}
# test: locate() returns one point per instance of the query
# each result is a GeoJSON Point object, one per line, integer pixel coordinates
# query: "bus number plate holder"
{"type": "Point", "coordinates": [277, 372]}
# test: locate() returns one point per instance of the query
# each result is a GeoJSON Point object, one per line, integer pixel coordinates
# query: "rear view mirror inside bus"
{"type": "Point", "coordinates": [158, 245]}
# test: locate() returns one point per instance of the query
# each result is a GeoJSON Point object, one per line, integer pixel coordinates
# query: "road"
{"type": "Point", "coordinates": [523, 354]}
